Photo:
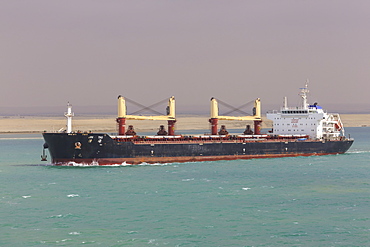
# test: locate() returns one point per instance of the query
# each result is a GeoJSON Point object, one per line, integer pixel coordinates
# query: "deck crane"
{"type": "Point", "coordinates": [256, 118]}
{"type": "Point", "coordinates": [122, 116]}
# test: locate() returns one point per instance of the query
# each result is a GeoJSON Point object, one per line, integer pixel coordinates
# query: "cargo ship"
{"type": "Point", "coordinates": [303, 130]}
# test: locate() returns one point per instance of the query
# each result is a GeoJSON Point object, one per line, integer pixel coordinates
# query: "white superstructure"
{"type": "Point", "coordinates": [306, 119]}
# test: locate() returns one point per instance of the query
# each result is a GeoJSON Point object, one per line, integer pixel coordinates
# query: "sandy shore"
{"type": "Point", "coordinates": [108, 124]}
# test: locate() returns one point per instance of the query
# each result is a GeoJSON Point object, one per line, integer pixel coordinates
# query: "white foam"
{"type": "Point", "coordinates": [56, 216]}
{"type": "Point", "coordinates": [358, 152]}
{"type": "Point", "coordinates": [73, 195]}
{"type": "Point", "coordinates": [72, 163]}
{"type": "Point", "coordinates": [151, 241]}
{"type": "Point", "coordinates": [153, 164]}
{"type": "Point", "coordinates": [246, 188]}
{"type": "Point", "coordinates": [96, 164]}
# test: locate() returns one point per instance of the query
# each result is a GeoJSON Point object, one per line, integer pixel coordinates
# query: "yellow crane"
{"type": "Point", "coordinates": [122, 116]}
{"type": "Point", "coordinates": [256, 116]}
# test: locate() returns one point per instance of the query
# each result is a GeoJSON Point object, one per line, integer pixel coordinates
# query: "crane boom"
{"type": "Point", "coordinates": [256, 118]}
{"type": "Point", "coordinates": [256, 112]}
{"type": "Point", "coordinates": [122, 116]}
{"type": "Point", "coordinates": [170, 114]}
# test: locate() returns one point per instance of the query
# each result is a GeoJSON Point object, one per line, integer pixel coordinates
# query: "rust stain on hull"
{"type": "Point", "coordinates": [181, 159]}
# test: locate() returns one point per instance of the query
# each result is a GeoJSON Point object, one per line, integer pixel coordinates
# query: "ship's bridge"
{"type": "Point", "coordinates": [307, 119]}
{"type": "Point", "coordinates": [294, 111]}
{"type": "Point", "coordinates": [300, 110]}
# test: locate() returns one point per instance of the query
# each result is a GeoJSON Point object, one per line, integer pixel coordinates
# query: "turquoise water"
{"type": "Point", "coordinates": [300, 201]}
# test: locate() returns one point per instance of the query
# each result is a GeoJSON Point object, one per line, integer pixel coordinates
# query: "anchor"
{"type": "Point", "coordinates": [44, 156]}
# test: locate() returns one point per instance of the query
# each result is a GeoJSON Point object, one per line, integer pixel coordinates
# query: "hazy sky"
{"type": "Point", "coordinates": [90, 51]}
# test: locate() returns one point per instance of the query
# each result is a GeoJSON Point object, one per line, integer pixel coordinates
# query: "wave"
{"type": "Point", "coordinates": [358, 151]}
{"type": "Point", "coordinates": [73, 195]}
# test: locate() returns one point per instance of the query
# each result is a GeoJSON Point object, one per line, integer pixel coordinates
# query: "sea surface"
{"type": "Point", "coordinates": [298, 201]}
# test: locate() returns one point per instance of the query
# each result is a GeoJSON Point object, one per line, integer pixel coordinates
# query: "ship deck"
{"type": "Point", "coordinates": [215, 139]}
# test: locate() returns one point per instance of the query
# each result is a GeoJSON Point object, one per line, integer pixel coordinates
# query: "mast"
{"type": "Point", "coordinates": [285, 103]}
{"type": "Point", "coordinates": [214, 116]}
{"type": "Point", "coordinates": [121, 119]}
{"type": "Point", "coordinates": [69, 114]}
{"type": "Point", "coordinates": [304, 92]}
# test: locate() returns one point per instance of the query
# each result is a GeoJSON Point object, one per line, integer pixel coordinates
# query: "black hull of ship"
{"type": "Point", "coordinates": [101, 149]}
